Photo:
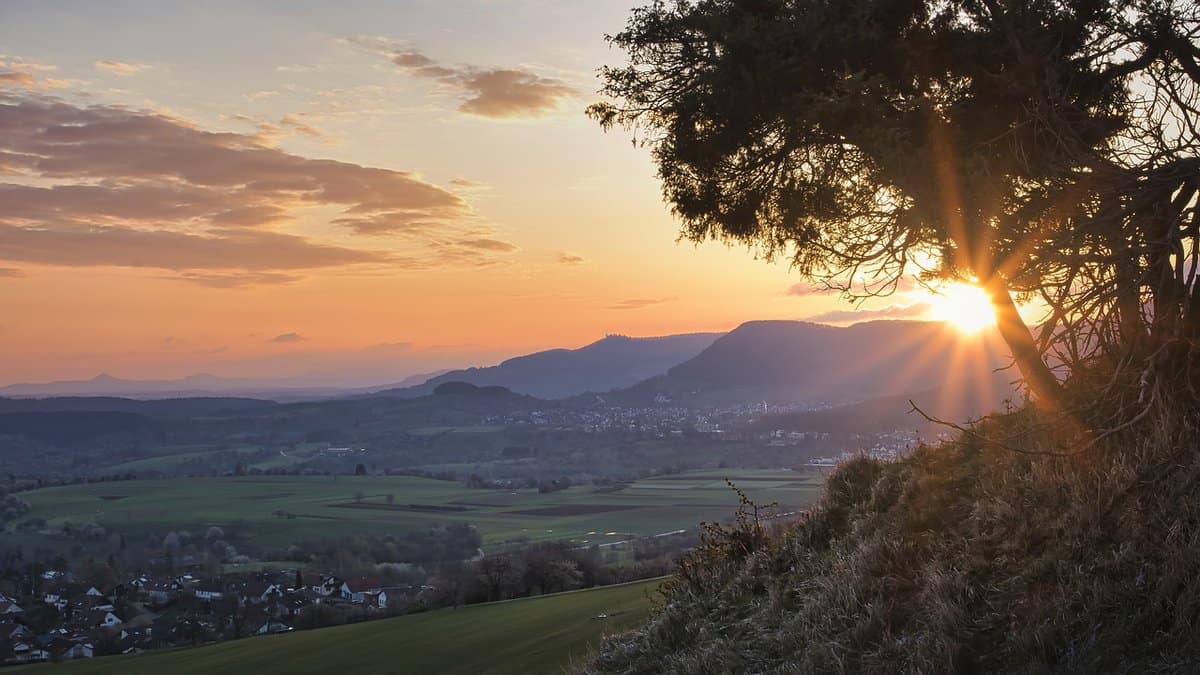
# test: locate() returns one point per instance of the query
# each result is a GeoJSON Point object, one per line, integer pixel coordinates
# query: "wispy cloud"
{"type": "Point", "coordinates": [122, 68]}
{"type": "Point", "coordinates": [803, 289]}
{"type": "Point", "coordinates": [11, 273]}
{"type": "Point", "coordinates": [287, 338]}
{"type": "Point", "coordinates": [639, 303]}
{"type": "Point", "coordinates": [486, 92]}
{"type": "Point", "coordinates": [236, 280]}
{"type": "Point", "coordinates": [565, 258]}
{"type": "Point", "coordinates": [916, 309]}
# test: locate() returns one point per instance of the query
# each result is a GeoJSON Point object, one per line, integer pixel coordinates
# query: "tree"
{"type": "Point", "coordinates": [1039, 148]}
{"type": "Point", "coordinates": [360, 469]}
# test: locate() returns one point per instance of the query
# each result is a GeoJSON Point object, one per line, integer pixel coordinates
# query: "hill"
{"type": "Point", "coordinates": [533, 635]}
{"type": "Point", "coordinates": [798, 361]}
{"type": "Point", "coordinates": [72, 427]}
{"type": "Point", "coordinates": [611, 363]}
{"type": "Point", "coordinates": [974, 556]}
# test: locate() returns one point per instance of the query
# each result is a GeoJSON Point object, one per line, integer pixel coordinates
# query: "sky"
{"type": "Point", "coordinates": [348, 192]}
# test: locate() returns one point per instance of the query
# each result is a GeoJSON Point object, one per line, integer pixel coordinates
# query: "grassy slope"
{"type": "Point", "coordinates": [662, 505]}
{"type": "Point", "coordinates": [533, 635]}
{"type": "Point", "coordinates": [966, 558]}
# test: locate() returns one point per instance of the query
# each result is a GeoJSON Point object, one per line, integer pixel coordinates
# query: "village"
{"type": "Point", "coordinates": [62, 618]}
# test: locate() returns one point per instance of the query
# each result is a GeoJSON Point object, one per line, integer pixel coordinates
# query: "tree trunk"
{"type": "Point", "coordinates": [1037, 375]}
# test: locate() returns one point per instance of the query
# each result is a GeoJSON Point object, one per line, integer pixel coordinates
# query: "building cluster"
{"type": "Point", "coordinates": [63, 619]}
{"type": "Point", "coordinates": [653, 421]}
{"type": "Point", "coordinates": [886, 446]}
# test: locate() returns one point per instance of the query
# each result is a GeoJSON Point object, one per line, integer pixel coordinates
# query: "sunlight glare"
{"type": "Point", "coordinates": [964, 306]}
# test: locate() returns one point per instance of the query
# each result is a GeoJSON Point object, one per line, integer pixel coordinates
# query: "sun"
{"type": "Point", "coordinates": [964, 306]}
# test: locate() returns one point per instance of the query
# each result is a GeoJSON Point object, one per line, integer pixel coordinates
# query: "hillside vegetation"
{"type": "Point", "coordinates": [536, 635]}
{"type": "Point", "coordinates": [970, 556]}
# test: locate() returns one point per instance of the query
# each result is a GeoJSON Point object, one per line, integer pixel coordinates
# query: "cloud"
{"type": "Point", "coordinates": [486, 92]}
{"type": "Point", "coordinates": [905, 284]}
{"type": "Point", "coordinates": [167, 249]}
{"type": "Point", "coordinates": [803, 289]}
{"type": "Point", "coordinates": [390, 348]}
{"type": "Point", "coordinates": [16, 72]}
{"type": "Point", "coordinates": [639, 303]}
{"type": "Point", "coordinates": [483, 244]}
{"type": "Point", "coordinates": [18, 79]}
{"type": "Point", "coordinates": [300, 126]}
{"type": "Point", "coordinates": [286, 338]}
{"type": "Point", "coordinates": [10, 273]}
{"type": "Point", "coordinates": [916, 309]}
{"type": "Point", "coordinates": [122, 68]}
{"type": "Point", "coordinates": [565, 258]}
{"type": "Point", "coordinates": [236, 280]}
{"type": "Point", "coordinates": [110, 186]}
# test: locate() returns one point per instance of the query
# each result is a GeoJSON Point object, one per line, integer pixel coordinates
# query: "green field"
{"type": "Point", "coordinates": [532, 635]}
{"type": "Point", "coordinates": [318, 507]}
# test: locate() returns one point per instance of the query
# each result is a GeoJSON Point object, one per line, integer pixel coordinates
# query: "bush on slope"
{"type": "Point", "coordinates": [963, 557]}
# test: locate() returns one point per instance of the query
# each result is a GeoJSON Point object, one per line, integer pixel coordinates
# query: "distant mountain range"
{"type": "Point", "coordinates": [802, 362]}
{"type": "Point", "coordinates": [759, 361]}
{"type": "Point", "coordinates": [611, 363]}
{"type": "Point", "coordinates": [190, 386]}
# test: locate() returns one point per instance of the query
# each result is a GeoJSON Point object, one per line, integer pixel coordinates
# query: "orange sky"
{"type": "Point", "coordinates": [391, 187]}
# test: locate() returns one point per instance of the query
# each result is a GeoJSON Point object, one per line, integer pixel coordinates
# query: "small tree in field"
{"type": "Point", "coordinates": [1042, 149]}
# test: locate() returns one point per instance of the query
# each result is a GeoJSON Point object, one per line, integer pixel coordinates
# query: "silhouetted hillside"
{"type": "Point", "coordinates": [797, 361]}
{"type": "Point", "coordinates": [611, 363]}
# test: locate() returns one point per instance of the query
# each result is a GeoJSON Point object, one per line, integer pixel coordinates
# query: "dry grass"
{"type": "Point", "coordinates": [964, 557]}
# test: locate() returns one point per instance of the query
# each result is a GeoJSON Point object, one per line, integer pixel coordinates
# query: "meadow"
{"type": "Point", "coordinates": [532, 635]}
{"type": "Point", "coordinates": [281, 510]}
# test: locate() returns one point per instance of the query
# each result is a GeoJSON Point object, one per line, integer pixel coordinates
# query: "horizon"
{"type": "Point", "coordinates": [316, 380]}
{"type": "Point", "coordinates": [375, 193]}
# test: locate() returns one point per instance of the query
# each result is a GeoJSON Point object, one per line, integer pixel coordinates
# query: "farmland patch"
{"type": "Point", "coordinates": [576, 509]}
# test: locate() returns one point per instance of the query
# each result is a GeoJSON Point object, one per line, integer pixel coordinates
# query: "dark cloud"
{"type": "Point", "coordinates": [855, 315]}
{"type": "Point", "coordinates": [639, 303]}
{"type": "Point", "coordinates": [110, 186]}
{"type": "Point", "coordinates": [565, 258]}
{"type": "Point", "coordinates": [488, 92]}
{"type": "Point", "coordinates": [287, 338]}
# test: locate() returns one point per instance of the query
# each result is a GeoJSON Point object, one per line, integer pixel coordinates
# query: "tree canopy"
{"type": "Point", "coordinates": [1043, 149]}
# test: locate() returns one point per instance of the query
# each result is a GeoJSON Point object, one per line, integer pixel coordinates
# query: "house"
{"type": "Point", "coordinates": [329, 586]}
{"type": "Point", "coordinates": [262, 591]}
{"type": "Point", "coordinates": [102, 618]}
{"type": "Point", "coordinates": [356, 591]}
{"type": "Point", "coordinates": [10, 608]}
{"type": "Point", "coordinates": [162, 591]}
{"type": "Point", "coordinates": [94, 592]}
{"type": "Point", "coordinates": [21, 651]}
{"type": "Point", "coordinates": [77, 650]}
{"type": "Point", "coordinates": [210, 590]}
{"type": "Point", "coordinates": [11, 630]}
{"type": "Point", "coordinates": [376, 601]}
